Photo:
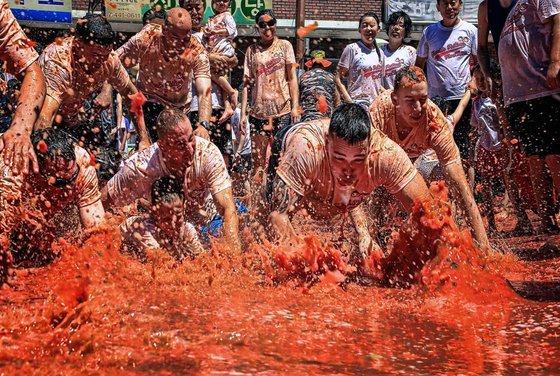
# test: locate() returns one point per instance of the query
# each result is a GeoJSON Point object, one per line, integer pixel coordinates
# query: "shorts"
{"type": "Point", "coordinates": [261, 127]}
{"type": "Point", "coordinates": [535, 123]}
{"type": "Point", "coordinates": [219, 135]}
{"type": "Point", "coordinates": [462, 130]}
{"type": "Point", "coordinates": [491, 164]}
{"type": "Point", "coordinates": [244, 166]}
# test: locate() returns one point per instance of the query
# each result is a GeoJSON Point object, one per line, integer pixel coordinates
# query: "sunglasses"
{"type": "Point", "coordinates": [263, 24]}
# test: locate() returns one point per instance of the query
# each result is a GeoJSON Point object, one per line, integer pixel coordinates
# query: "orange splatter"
{"type": "Point", "coordinates": [92, 160]}
{"type": "Point", "coordinates": [111, 4]}
{"type": "Point", "coordinates": [42, 146]}
{"type": "Point", "coordinates": [138, 101]}
{"type": "Point", "coordinates": [304, 30]}
{"type": "Point", "coordinates": [514, 141]}
{"type": "Point", "coordinates": [322, 105]}
{"type": "Point", "coordinates": [30, 43]}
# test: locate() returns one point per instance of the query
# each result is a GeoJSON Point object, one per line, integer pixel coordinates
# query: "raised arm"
{"type": "Point", "coordinates": [284, 202]}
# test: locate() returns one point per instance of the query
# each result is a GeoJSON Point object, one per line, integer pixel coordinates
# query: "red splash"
{"type": "Point", "coordinates": [30, 43]}
{"type": "Point", "coordinates": [111, 4]}
{"type": "Point", "coordinates": [42, 146]}
{"type": "Point", "coordinates": [138, 101]}
{"type": "Point", "coordinates": [322, 105]}
{"type": "Point", "coordinates": [304, 30]}
{"type": "Point", "coordinates": [92, 160]}
{"type": "Point", "coordinates": [513, 141]}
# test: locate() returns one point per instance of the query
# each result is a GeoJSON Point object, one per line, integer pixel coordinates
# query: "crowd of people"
{"type": "Point", "coordinates": [190, 148]}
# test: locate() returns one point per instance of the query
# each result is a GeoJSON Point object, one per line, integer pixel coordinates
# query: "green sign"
{"type": "Point", "coordinates": [243, 11]}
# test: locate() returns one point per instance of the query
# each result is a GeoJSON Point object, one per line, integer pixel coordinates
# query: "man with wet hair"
{"type": "Point", "coordinates": [170, 60]}
{"type": "Point", "coordinates": [191, 159]}
{"type": "Point", "coordinates": [17, 51]}
{"type": "Point", "coordinates": [27, 204]}
{"type": "Point", "coordinates": [165, 227]}
{"type": "Point", "coordinates": [329, 167]}
{"type": "Point", "coordinates": [415, 123]}
{"type": "Point", "coordinates": [75, 67]}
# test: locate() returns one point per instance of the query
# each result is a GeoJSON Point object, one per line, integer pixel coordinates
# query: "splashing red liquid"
{"type": "Point", "coordinates": [138, 101]}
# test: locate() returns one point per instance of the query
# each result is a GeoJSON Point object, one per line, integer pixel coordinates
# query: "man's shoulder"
{"type": "Point", "coordinates": [59, 52]}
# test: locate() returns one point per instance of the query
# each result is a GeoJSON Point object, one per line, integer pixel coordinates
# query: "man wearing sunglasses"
{"type": "Point", "coordinates": [29, 203]}
{"type": "Point", "coordinates": [75, 67]}
{"type": "Point", "coordinates": [170, 60]}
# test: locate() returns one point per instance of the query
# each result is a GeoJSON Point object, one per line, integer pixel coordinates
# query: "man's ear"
{"type": "Point", "coordinates": [394, 97]}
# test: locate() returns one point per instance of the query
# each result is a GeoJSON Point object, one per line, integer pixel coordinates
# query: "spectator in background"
{"type": "Point", "coordinates": [8, 103]}
{"type": "Point", "coordinates": [529, 53]}
{"type": "Point", "coordinates": [155, 15]}
{"type": "Point", "coordinates": [241, 161]}
{"type": "Point", "coordinates": [397, 54]}
{"type": "Point", "coordinates": [270, 75]}
{"type": "Point", "coordinates": [363, 63]}
{"type": "Point", "coordinates": [21, 60]}
{"type": "Point", "coordinates": [318, 94]}
{"type": "Point", "coordinates": [446, 48]}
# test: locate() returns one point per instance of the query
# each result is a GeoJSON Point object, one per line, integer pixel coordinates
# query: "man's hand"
{"type": "Point", "coordinates": [202, 132]}
{"type": "Point", "coordinates": [294, 114]}
{"type": "Point", "coordinates": [18, 151]}
{"type": "Point", "coordinates": [552, 78]}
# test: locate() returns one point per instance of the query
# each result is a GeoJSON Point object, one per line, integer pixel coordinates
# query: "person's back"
{"type": "Point", "coordinates": [317, 94]}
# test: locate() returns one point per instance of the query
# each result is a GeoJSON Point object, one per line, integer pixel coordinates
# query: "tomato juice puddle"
{"type": "Point", "coordinates": [282, 310]}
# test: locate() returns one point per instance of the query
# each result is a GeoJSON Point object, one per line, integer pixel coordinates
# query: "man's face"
{"type": "Point", "coordinates": [196, 9]}
{"type": "Point", "coordinates": [178, 145]}
{"type": "Point", "coordinates": [60, 172]}
{"type": "Point", "coordinates": [168, 216]}
{"type": "Point", "coordinates": [90, 55]}
{"type": "Point", "coordinates": [411, 102]}
{"type": "Point", "coordinates": [348, 161]}
{"type": "Point", "coordinates": [449, 9]}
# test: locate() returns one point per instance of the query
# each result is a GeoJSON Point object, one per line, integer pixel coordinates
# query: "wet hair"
{"type": "Point", "coordinates": [167, 189]}
{"type": "Point", "coordinates": [152, 14]}
{"type": "Point", "coordinates": [350, 122]}
{"type": "Point", "coordinates": [95, 28]}
{"type": "Point", "coordinates": [369, 14]}
{"type": "Point", "coordinates": [442, 103]}
{"type": "Point", "coordinates": [168, 120]}
{"type": "Point", "coordinates": [408, 76]}
{"type": "Point", "coordinates": [58, 144]}
{"type": "Point", "coordinates": [262, 13]}
{"type": "Point", "coordinates": [395, 17]}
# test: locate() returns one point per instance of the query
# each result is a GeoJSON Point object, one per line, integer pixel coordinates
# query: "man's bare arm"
{"type": "Point", "coordinates": [204, 92]}
{"type": "Point", "coordinates": [16, 141]}
{"type": "Point", "coordinates": [340, 74]}
{"type": "Point", "coordinates": [366, 244]}
{"type": "Point", "coordinates": [92, 215]}
{"type": "Point", "coordinates": [137, 119]}
{"type": "Point", "coordinates": [226, 207]}
{"type": "Point", "coordinates": [284, 204]}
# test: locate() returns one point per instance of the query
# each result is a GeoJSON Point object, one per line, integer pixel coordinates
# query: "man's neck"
{"type": "Point", "coordinates": [451, 23]}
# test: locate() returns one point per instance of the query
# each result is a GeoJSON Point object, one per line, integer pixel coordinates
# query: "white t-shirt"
{"type": "Point", "coordinates": [448, 50]}
{"type": "Point", "coordinates": [524, 50]}
{"type": "Point", "coordinates": [404, 56]}
{"type": "Point", "coordinates": [236, 132]}
{"type": "Point", "coordinates": [366, 69]}
{"type": "Point", "coordinates": [484, 118]}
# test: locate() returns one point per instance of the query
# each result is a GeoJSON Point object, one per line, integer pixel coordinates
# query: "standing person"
{"type": "Point", "coordinates": [17, 51]}
{"type": "Point", "coordinates": [242, 163]}
{"type": "Point", "coordinates": [397, 54]}
{"type": "Point", "coordinates": [363, 63]}
{"type": "Point", "coordinates": [415, 123]}
{"type": "Point", "coordinates": [171, 60]}
{"type": "Point", "coordinates": [220, 31]}
{"type": "Point", "coordinates": [77, 67]}
{"type": "Point", "coordinates": [492, 157]}
{"type": "Point", "coordinates": [529, 53]}
{"type": "Point", "coordinates": [446, 48]}
{"type": "Point", "coordinates": [270, 74]}
{"type": "Point", "coordinates": [318, 94]}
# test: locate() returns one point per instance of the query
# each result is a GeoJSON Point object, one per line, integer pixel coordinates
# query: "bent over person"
{"type": "Point", "coordinates": [329, 167]}
{"type": "Point", "coordinates": [21, 59]}
{"type": "Point", "coordinates": [409, 118]}
{"type": "Point", "coordinates": [191, 159]}
{"type": "Point", "coordinates": [28, 203]}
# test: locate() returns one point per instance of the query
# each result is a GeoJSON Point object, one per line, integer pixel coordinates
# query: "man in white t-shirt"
{"type": "Point", "coordinates": [197, 162]}
{"type": "Point", "coordinates": [446, 48]}
{"type": "Point", "coordinates": [530, 64]}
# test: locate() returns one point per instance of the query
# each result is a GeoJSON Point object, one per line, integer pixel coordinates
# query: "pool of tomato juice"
{"type": "Point", "coordinates": [95, 310]}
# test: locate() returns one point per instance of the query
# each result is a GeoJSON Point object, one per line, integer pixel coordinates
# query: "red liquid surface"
{"type": "Point", "coordinates": [274, 310]}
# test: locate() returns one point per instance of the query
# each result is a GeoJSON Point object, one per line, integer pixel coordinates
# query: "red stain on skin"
{"type": "Point", "coordinates": [138, 101]}
{"type": "Point", "coordinates": [304, 30]}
